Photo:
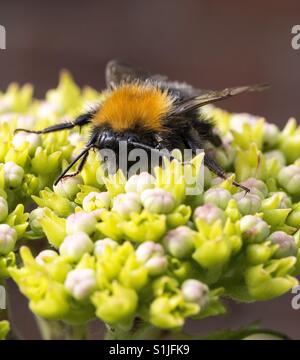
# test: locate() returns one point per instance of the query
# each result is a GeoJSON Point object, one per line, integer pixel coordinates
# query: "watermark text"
{"type": "Point", "coordinates": [296, 38]}
{"type": "Point", "coordinates": [2, 37]}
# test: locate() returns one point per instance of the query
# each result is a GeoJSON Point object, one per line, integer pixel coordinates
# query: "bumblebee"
{"type": "Point", "coordinates": [149, 112]}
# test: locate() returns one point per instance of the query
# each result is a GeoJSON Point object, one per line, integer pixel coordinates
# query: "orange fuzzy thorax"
{"type": "Point", "coordinates": [134, 105]}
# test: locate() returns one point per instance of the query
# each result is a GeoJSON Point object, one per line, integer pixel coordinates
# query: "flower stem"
{"type": "Point", "coordinates": [59, 330]}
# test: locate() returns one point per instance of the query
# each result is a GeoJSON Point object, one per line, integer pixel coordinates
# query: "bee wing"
{"type": "Point", "coordinates": [118, 72]}
{"type": "Point", "coordinates": [209, 97]}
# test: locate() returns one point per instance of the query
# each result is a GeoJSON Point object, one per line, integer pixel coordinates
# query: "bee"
{"type": "Point", "coordinates": [150, 112]}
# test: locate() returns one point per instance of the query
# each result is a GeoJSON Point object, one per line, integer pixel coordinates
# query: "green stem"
{"type": "Point", "coordinates": [59, 330]}
{"type": "Point", "coordinates": [139, 331]}
{"type": "Point", "coordinates": [5, 314]}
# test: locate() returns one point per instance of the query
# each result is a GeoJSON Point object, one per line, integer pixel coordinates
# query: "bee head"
{"type": "Point", "coordinates": [110, 139]}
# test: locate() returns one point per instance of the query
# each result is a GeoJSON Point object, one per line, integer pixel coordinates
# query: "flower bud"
{"type": "Point", "coordinates": [96, 200]}
{"type": "Point", "coordinates": [254, 229]}
{"type": "Point", "coordinates": [285, 202]}
{"type": "Point", "coordinates": [117, 306]}
{"type": "Point", "coordinates": [276, 155]}
{"type": "Point", "coordinates": [256, 187]}
{"type": "Point", "coordinates": [179, 242]}
{"type": "Point", "coordinates": [80, 222]}
{"type": "Point", "coordinates": [147, 250]}
{"type": "Point", "coordinates": [271, 134]}
{"type": "Point", "coordinates": [238, 120]}
{"type": "Point", "coordinates": [158, 201]}
{"type": "Point", "coordinates": [139, 183]}
{"type": "Point", "coordinates": [289, 179]}
{"type": "Point", "coordinates": [209, 213]}
{"type": "Point", "coordinates": [286, 244]}
{"type": "Point", "coordinates": [81, 283]}
{"type": "Point", "coordinates": [157, 265]}
{"type": "Point", "coordinates": [101, 244]}
{"type": "Point", "coordinates": [125, 204]}
{"type": "Point", "coordinates": [218, 196]}
{"type": "Point", "coordinates": [68, 187]}
{"type": "Point", "coordinates": [3, 209]}
{"type": "Point", "coordinates": [33, 140]}
{"type": "Point", "coordinates": [294, 217]}
{"type": "Point", "coordinates": [247, 203]}
{"type": "Point", "coordinates": [258, 253]}
{"type": "Point", "coordinates": [75, 138]}
{"type": "Point", "coordinates": [8, 238]}
{"type": "Point", "coordinates": [46, 256]}
{"type": "Point", "coordinates": [195, 291]}
{"type": "Point", "coordinates": [152, 255]}
{"type": "Point", "coordinates": [13, 174]}
{"type": "Point", "coordinates": [75, 246]}
{"type": "Point", "coordinates": [34, 220]}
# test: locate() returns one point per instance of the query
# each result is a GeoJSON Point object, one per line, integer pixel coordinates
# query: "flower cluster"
{"type": "Point", "coordinates": [144, 247]}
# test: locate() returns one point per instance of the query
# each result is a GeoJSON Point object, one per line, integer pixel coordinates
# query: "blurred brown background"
{"type": "Point", "coordinates": [211, 44]}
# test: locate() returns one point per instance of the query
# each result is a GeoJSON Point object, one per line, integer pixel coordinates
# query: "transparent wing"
{"type": "Point", "coordinates": [118, 72]}
{"type": "Point", "coordinates": [196, 102]}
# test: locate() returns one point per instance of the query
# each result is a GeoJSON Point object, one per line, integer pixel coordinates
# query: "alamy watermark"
{"type": "Point", "coordinates": [296, 38]}
{"type": "Point", "coordinates": [137, 160]}
{"type": "Point", "coordinates": [2, 37]}
{"type": "Point", "coordinates": [2, 298]}
{"type": "Point", "coordinates": [296, 299]}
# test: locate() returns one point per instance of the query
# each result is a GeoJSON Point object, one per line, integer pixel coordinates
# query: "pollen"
{"type": "Point", "coordinates": [134, 105]}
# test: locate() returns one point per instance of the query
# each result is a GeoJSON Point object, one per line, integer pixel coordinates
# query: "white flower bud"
{"type": "Point", "coordinates": [152, 256]}
{"type": "Point", "coordinates": [271, 134]}
{"type": "Point", "coordinates": [96, 200]}
{"type": "Point", "coordinates": [256, 187]}
{"type": "Point", "coordinates": [81, 283]}
{"type": "Point", "coordinates": [46, 256]}
{"type": "Point", "coordinates": [8, 238]}
{"type": "Point", "coordinates": [75, 246]}
{"type": "Point", "coordinates": [195, 291]}
{"type": "Point", "coordinates": [139, 183]}
{"type": "Point", "coordinates": [68, 187]}
{"type": "Point", "coordinates": [33, 140]}
{"type": "Point", "coordinates": [13, 174]}
{"type": "Point", "coordinates": [218, 196]}
{"type": "Point", "coordinates": [3, 209]}
{"type": "Point", "coordinates": [97, 213]}
{"type": "Point", "coordinates": [254, 229]}
{"type": "Point", "coordinates": [81, 222]}
{"type": "Point", "coordinates": [26, 122]}
{"type": "Point", "coordinates": [158, 201]}
{"type": "Point", "coordinates": [35, 217]}
{"type": "Point", "coordinates": [247, 203]}
{"type": "Point", "coordinates": [147, 250]}
{"type": "Point", "coordinates": [156, 265]}
{"type": "Point", "coordinates": [286, 244]}
{"type": "Point", "coordinates": [238, 120]}
{"type": "Point", "coordinates": [277, 155]}
{"type": "Point", "coordinates": [101, 244]}
{"type": "Point", "coordinates": [179, 242]}
{"type": "Point", "coordinates": [125, 204]}
{"type": "Point", "coordinates": [75, 138]}
{"type": "Point", "coordinates": [209, 213]}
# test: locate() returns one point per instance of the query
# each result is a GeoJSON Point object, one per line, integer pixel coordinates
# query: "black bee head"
{"type": "Point", "coordinates": [110, 139]}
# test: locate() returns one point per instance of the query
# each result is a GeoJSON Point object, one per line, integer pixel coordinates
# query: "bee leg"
{"type": "Point", "coordinates": [193, 142]}
{"type": "Point", "coordinates": [84, 155]}
{"type": "Point", "coordinates": [80, 121]}
{"type": "Point", "coordinates": [216, 169]}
